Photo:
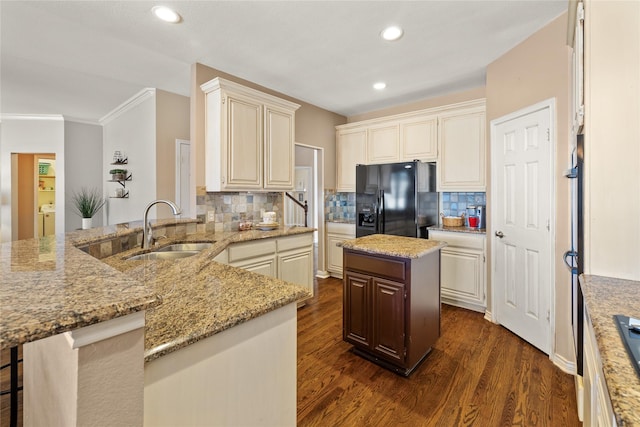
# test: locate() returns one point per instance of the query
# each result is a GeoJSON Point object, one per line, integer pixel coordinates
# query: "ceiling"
{"type": "Point", "coordinates": [84, 58]}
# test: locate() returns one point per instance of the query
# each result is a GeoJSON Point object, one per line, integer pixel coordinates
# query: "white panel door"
{"type": "Point", "coordinates": [522, 220]}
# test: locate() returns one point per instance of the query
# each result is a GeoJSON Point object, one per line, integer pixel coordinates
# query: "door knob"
{"type": "Point", "coordinates": [499, 234]}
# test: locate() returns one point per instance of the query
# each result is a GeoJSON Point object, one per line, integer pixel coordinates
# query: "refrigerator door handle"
{"type": "Point", "coordinates": [382, 208]}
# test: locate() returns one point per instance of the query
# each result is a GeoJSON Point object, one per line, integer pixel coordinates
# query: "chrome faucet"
{"type": "Point", "coordinates": [147, 235]}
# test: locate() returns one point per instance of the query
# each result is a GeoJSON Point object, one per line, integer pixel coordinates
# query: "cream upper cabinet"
{"type": "Point", "coordinates": [351, 149]}
{"type": "Point", "coordinates": [249, 138]}
{"type": "Point", "coordinates": [279, 164]}
{"type": "Point", "coordinates": [461, 150]}
{"type": "Point", "coordinates": [419, 139]}
{"type": "Point", "coordinates": [382, 143]}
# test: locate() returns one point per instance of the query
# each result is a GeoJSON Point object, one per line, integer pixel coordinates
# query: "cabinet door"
{"type": "Point", "coordinates": [351, 149]}
{"type": "Point", "coordinates": [419, 139]}
{"type": "Point", "coordinates": [244, 143]}
{"type": "Point", "coordinates": [461, 153]}
{"type": "Point", "coordinates": [279, 150]}
{"type": "Point", "coordinates": [263, 265]}
{"type": "Point", "coordinates": [334, 254]}
{"type": "Point", "coordinates": [462, 276]}
{"type": "Point", "coordinates": [356, 307]}
{"type": "Point", "coordinates": [296, 266]}
{"type": "Point", "coordinates": [382, 143]}
{"type": "Point", "coordinates": [388, 319]}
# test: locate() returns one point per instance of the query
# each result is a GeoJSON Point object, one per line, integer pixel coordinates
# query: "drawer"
{"type": "Point", "coordinates": [293, 242]}
{"type": "Point", "coordinates": [252, 249]}
{"type": "Point", "coordinates": [342, 228]}
{"type": "Point", "coordinates": [461, 240]}
{"type": "Point", "coordinates": [376, 266]}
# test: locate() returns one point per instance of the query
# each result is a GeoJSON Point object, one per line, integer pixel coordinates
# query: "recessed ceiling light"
{"type": "Point", "coordinates": [392, 33]}
{"type": "Point", "coordinates": [166, 14]}
{"type": "Point", "coordinates": [379, 85]}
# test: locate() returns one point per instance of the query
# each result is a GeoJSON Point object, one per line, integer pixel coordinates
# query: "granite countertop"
{"type": "Point", "coordinates": [386, 244]}
{"type": "Point", "coordinates": [461, 229]}
{"type": "Point", "coordinates": [604, 297]}
{"type": "Point", "coordinates": [49, 286]}
{"type": "Point", "coordinates": [202, 297]}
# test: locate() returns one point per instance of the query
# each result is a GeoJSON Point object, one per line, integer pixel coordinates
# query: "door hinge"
{"type": "Point", "coordinates": [548, 316]}
{"type": "Point", "coordinates": [548, 225]}
{"type": "Point", "coordinates": [548, 135]}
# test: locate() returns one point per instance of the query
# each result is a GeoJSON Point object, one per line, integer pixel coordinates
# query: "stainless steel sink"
{"type": "Point", "coordinates": [169, 255]}
{"type": "Point", "coordinates": [180, 247]}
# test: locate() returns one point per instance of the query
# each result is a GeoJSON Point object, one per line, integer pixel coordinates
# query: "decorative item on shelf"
{"type": "Point", "coordinates": [43, 168]}
{"type": "Point", "coordinates": [118, 174]}
{"type": "Point", "coordinates": [86, 203]}
{"type": "Point", "coordinates": [119, 158]}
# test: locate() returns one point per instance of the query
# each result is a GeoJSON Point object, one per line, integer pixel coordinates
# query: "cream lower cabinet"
{"type": "Point", "coordinates": [598, 410]}
{"type": "Point", "coordinates": [249, 138]}
{"type": "Point", "coordinates": [289, 258]}
{"type": "Point", "coordinates": [336, 234]}
{"type": "Point", "coordinates": [462, 269]}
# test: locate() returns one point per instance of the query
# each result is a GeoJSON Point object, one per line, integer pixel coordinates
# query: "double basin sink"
{"type": "Point", "coordinates": [175, 251]}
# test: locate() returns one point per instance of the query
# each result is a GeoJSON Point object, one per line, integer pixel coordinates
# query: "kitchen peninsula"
{"type": "Point", "coordinates": [74, 297]}
{"type": "Point", "coordinates": [391, 301]}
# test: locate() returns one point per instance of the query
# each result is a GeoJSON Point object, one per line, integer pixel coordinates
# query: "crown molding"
{"type": "Point", "coordinates": [5, 116]}
{"type": "Point", "coordinates": [130, 103]}
{"type": "Point", "coordinates": [83, 121]}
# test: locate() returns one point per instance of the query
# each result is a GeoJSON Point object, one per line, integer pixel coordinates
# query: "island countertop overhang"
{"type": "Point", "coordinates": [398, 246]}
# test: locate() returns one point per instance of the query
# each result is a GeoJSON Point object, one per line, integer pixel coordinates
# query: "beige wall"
{"type": "Point", "coordinates": [172, 122]}
{"type": "Point", "coordinates": [612, 139]}
{"type": "Point", "coordinates": [314, 126]}
{"type": "Point", "coordinates": [536, 70]}
{"type": "Point", "coordinates": [438, 101]}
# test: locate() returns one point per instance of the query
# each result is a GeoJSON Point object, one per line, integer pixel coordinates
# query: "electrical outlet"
{"type": "Point", "coordinates": [211, 216]}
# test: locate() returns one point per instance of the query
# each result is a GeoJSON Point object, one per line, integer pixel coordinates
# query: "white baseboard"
{"type": "Point", "coordinates": [561, 362]}
{"type": "Point", "coordinates": [488, 316]}
{"type": "Point", "coordinates": [321, 274]}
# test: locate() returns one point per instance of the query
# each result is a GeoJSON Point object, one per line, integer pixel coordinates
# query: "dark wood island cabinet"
{"type": "Point", "coordinates": [391, 299]}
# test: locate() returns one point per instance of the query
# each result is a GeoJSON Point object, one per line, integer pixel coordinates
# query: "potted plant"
{"type": "Point", "coordinates": [86, 203]}
{"type": "Point", "coordinates": [118, 174]}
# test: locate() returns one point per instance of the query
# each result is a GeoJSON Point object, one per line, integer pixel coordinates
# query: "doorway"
{"type": "Point", "coordinates": [523, 222]}
{"type": "Point", "coordinates": [309, 176]}
{"type": "Point", "coordinates": [34, 193]}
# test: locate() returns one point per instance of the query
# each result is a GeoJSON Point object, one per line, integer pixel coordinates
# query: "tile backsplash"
{"type": "Point", "coordinates": [233, 208]}
{"type": "Point", "coordinates": [454, 204]}
{"type": "Point", "coordinates": [339, 207]}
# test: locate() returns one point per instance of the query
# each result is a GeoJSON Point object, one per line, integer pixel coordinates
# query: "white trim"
{"type": "Point", "coordinates": [104, 330]}
{"type": "Point", "coordinates": [127, 105]}
{"type": "Point", "coordinates": [551, 105]}
{"type": "Point", "coordinates": [567, 366]}
{"type": "Point", "coordinates": [82, 121]}
{"type": "Point", "coordinates": [489, 317]}
{"type": "Point", "coordinates": [322, 274]}
{"type": "Point", "coordinates": [222, 84]}
{"type": "Point", "coordinates": [31, 117]}
{"type": "Point", "coordinates": [178, 170]}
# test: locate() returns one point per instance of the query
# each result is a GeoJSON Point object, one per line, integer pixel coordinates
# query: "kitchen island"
{"type": "Point", "coordinates": [56, 286]}
{"type": "Point", "coordinates": [391, 300]}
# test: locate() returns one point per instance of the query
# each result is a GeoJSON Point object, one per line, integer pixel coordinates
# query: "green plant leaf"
{"type": "Point", "coordinates": [87, 202]}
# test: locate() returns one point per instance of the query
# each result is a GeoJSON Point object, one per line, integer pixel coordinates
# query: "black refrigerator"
{"type": "Point", "coordinates": [396, 198]}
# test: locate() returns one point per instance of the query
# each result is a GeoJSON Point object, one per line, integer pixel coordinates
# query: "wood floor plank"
{"type": "Point", "coordinates": [478, 374]}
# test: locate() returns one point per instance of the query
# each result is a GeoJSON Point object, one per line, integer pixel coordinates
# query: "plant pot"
{"type": "Point", "coordinates": [87, 223]}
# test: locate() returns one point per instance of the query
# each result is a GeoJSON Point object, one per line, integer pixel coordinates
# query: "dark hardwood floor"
{"type": "Point", "coordinates": [478, 374]}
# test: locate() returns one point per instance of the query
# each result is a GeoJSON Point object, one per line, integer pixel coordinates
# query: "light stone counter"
{"type": "Point", "coordinates": [604, 297]}
{"type": "Point", "coordinates": [400, 246]}
{"type": "Point", "coordinates": [461, 229]}
{"type": "Point", "coordinates": [49, 286]}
